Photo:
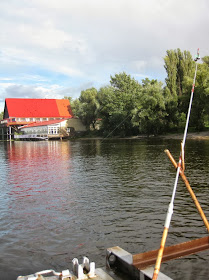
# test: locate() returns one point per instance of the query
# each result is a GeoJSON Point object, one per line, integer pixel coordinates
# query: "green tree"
{"type": "Point", "coordinates": [75, 106]}
{"type": "Point", "coordinates": [1, 115]}
{"type": "Point", "coordinates": [180, 71]}
{"type": "Point", "coordinates": [185, 66]}
{"type": "Point", "coordinates": [117, 103]}
{"type": "Point", "coordinates": [108, 108]}
{"type": "Point", "coordinates": [171, 69]}
{"type": "Point", "coordinates": [204, 76]}
{"type": "Point", "coordinates": [150, 112]}
{"type": "Point", "coordinates": [87, 107]}
{"type": "Point", "coordinates": [200, 107]}
{"type": "Point", "coordinates": [178, 65]}
{"type": "Point", "coordinates": [172, 114]}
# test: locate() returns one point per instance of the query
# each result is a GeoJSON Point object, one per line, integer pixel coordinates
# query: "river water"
{"type": "Point", "coordinates": [60, 200]}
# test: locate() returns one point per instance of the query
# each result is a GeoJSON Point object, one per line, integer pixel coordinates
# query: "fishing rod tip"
{"type": "Point", "coordinates": [197, 57]}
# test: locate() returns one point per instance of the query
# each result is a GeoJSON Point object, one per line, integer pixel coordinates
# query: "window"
{"type": "Point", "coordinates": [53, 130]}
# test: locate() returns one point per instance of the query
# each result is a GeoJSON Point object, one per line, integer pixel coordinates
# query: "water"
{"type": "Point", "coordinates": [60, 200]}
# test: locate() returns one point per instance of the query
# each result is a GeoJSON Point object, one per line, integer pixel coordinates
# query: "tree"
{"type": "Point", "coordinates": [150, 111]}
{"type": "Point", "coordinates": [75, 106]}
{"type": "Point", "coordinates": [87, 107]}
{"type": "Point", "coordinates": [180, 69]}
{"type": "Point", "coordinates": [178, 65]}
{"type": "Point", "coordinates": [1, 115]}
{"type": "Point", "coordinates": [200, 107]}
{"type": "Point", "coordinates": [185, 66]}
{"type": "Point", "coordinates": [108, 107]}
{"type": "Point", "coordinates": [170, 67]}
{"type": "Point", "coordinates": [171, 105]}
{"type": "Point", "coordinates": [117, 103]}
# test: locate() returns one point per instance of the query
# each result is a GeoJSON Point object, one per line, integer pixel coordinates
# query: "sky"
{"type": "Point", "coordinates": [57, 48]}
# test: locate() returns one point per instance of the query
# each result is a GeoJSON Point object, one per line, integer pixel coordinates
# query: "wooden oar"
{"type": "Point", "coordinates": [184, 178]}
{"type": "Point", "coordinates": [143, 260]}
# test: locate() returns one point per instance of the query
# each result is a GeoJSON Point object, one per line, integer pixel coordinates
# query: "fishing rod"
{"type": "Point", "coordinates": [179, 167]}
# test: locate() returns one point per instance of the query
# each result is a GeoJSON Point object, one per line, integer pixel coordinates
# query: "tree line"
{"type": "Point", "coordinates": [126, 107]}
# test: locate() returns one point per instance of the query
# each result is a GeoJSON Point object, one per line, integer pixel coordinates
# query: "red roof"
{"type": "Point", "coordinates": [37, 108]}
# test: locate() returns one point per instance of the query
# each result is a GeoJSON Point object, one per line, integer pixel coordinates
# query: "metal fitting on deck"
{"type": "Point", "coordinates": [85, 270]}
{"type": "Point", "coordinates": [66, 275]}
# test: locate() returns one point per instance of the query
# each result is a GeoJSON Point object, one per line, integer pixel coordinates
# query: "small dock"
{"type": "Point", "coordinates": [35, 137]}
{"type": "Point", "coordinates": [39, 137]}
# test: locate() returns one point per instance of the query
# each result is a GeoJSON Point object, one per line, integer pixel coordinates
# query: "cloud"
{"type": "Point", "coordinates": [75, 43]}
{"type": "Point", "coordinates": [27, 91]}
{"type": "Point", "coordinates": [53, 91]}
{"type": "Point", "coordinates": [10, 90]}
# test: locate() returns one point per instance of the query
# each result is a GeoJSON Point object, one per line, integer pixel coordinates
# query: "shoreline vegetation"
{"type": "Point", "coordinates": [127, 107]}
{"type": "Point", "coordinates": [204, 135]}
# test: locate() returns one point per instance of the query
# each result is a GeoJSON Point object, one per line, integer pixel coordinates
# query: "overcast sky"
{"type": "Point", "coordinates": [56, 48]}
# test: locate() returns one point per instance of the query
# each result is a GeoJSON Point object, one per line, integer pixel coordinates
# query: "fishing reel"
{"type": "Point", "coordinates": [197, 56]}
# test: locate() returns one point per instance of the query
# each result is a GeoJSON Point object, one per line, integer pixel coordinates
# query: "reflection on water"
{"type": "Point", "coordinates": [60, 200]}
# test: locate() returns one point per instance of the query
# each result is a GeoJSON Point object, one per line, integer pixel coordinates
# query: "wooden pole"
{"type": "Point", "coordinates": [184, 178]}
{"type": "Point", "coordinates": [167, 225]}
{"type": "Point", "coordinates": [143, 260]}
{"type": "Point", "coordinates": [160, 254]}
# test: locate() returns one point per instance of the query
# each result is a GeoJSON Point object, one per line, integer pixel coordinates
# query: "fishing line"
{"type": "Point", "coordinates": [112, 131]}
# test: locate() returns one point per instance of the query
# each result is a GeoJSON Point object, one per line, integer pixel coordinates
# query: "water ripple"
{"type": "Point", "coordinates": [60, 200]}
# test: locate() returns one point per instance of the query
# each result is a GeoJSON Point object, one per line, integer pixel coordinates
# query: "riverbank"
{"type": "Point", "coordinates": [204, 135]}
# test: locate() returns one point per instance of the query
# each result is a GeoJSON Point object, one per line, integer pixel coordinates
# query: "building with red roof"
{"type": "Point", "coordinates": [26, 114]}
{"type": "Point", "coordinates": [22, 109]}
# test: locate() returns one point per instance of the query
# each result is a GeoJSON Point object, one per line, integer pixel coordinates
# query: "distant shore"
{"type": "Point", "coordinates": [204, 135]}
